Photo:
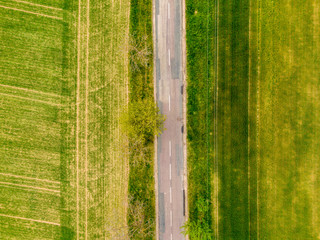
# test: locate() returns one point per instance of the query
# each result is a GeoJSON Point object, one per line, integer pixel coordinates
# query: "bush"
{"type": "Point", "coordinates": [199, 228]}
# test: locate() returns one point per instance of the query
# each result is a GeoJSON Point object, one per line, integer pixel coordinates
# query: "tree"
{"type": "Point", "coordinates": [142, 121]}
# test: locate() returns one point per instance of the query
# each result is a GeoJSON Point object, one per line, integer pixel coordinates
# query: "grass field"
{"type": "Point", "coordinates": [63, 83]}
{"type": "Point", "coordinates": [265, 117]}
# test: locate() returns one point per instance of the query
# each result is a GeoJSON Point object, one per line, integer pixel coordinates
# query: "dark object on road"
{"type": "Point", "coordinates": [182, 89]}
{"type": "Point", "coordinates": [184, 203]}
{"type": "Point", "coordinates": [182, 128]}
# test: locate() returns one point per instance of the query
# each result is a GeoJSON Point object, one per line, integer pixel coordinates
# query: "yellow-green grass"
{"type": "Point", "coordinates": [265, 157]}
{"type": "Point", "coordinates": [64, 81]}
{"type": "Point", "coordinates": [284, 120]}
{"type": "Point", "coordinates": [268, 120]}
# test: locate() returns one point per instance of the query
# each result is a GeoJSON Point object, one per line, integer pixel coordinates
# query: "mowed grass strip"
{"type": "Point", "coordinates": [200, 30]}
{"type": "Point", "coordinates": [232, 119]}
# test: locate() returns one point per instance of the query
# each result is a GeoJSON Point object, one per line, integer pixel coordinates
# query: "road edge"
{"type": "Point", "coordinates": [184, 103]}
{"type": "Point", "coordinates": [155, 158]}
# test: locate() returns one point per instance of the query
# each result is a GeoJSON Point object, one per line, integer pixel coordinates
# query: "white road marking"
{"type": "Point", "coordinates": [169, 57]}
{"type": "Point", "coordinates": [168, 10]}
{"type": "Point", "coordinates": [171, 236]}
{"type": "Point", "coordinates": [171, 218]}
{"type": "Point", "coordinates": [170, 172]}
{"type": "Point", "coordinates": [170, 148]}
{"type": "Point", "coordinates": [38, 14]}
{"type": "Point", "coordinates": [169, 102]}
{"type": "Point", "coordinates": [170, 195]}
{"type": "Point", "coordinates": [29, 219]}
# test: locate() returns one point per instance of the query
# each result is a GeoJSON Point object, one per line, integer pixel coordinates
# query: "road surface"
{"type": "Point", "coordinates": [169, 95]}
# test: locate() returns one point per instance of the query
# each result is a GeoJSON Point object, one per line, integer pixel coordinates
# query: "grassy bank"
{"type": "Point", "coordinates": [141, 177]}
{"type": "Point", "coordinates": [200, 108]}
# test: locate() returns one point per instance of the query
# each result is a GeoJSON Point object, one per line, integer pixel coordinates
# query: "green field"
{"type": "Point", "coordinates": [263, 154]}
{"type": "Point", "coordinates": [63, 83]}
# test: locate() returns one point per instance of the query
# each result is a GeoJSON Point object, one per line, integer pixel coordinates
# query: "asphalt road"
{"type": "Point", "coordinates": [169, 94]}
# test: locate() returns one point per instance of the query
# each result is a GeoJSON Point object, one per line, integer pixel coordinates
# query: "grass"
{"type": "Point", "coordinates": [30, 137]}
{"type": "Point", "coordinates": [141, 177]}
{"type": "Point", "coordinates": [286, 116]}
{"type": "Point", "coordinates": [200, 106]}
{"type": "Point", "coordinates": [232, 118]}
{"type": "Point", "coordinates": [265, 57]}
{"type": "Point", "coordinates": [65, 166]}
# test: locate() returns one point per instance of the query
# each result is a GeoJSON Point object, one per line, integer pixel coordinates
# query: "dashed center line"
{"type": "Point", "coordinates": [169, 60]}
{"type": "Point", "coordinates": [168, 10]}
{"type": "Point", "coordinates": [170, 148]}
{"type": "Point", "coordinates": [171, 218]}
{"type": "Point", "coordinates": [170, 171]}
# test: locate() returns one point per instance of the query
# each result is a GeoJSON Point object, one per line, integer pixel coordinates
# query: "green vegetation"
{"type": "Point", "coordinates": [141, 177]}
{"type": "Point", "coordinates": [232, 120]}
{"type": "Point", "coordinates": [199, 229]}
{"type": "Point", "coordinates": [284, 133]}
{"type": "Point", "coordinates": [143, 121]}
{"type": "Point", "coordinates": [200, 112]}
{"type": "Point", "coordinates": [63, 81]}
{"type": "Point", "coordinates": [31, 96]}
{"type": "Point", "coordinates": [265, 140]}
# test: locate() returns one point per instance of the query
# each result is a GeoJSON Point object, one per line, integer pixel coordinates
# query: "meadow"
{"type": "Point", "coordinates": [63, 84]}
{"type": "Point", "coordinates": [265, 106]}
